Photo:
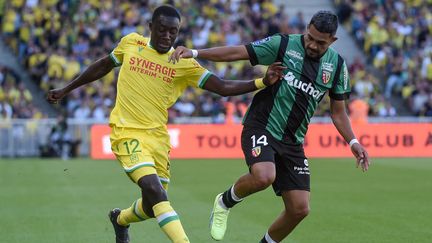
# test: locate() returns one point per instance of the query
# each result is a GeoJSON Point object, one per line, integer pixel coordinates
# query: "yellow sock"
{"type": "Point", "coordinates": [169, 222]}
{"type": "Point", "coordinates": [133, 214]}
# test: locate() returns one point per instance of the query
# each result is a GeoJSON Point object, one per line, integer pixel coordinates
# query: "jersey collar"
{"type": "Point", "coordinates": [149, 44]}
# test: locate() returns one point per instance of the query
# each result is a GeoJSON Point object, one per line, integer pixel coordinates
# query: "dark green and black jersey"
{"type": "Point", "coordinates": [285, 108]}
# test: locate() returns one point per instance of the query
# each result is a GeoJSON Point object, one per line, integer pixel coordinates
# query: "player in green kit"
{"type": "Point", "coordinates": [278, 118]}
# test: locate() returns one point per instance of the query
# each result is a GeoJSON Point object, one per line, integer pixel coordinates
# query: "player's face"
{"type": "Point", "coordinates": [317, 43]}
{"type": "Point", "coordinates": [164, 32]}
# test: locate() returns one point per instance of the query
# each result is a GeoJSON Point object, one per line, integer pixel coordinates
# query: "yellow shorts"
{"type": "Point", "coordinates": [142, 152]}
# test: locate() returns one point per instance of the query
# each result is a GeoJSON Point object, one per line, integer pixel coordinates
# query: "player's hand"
{"type": "Point", "coordinates": [55, 95]}
{"type": "Point", "coordinates": [274, 73]}
{"type": "Point", "coordinates": [361, 155]}
{"type": "Point", "coordinates": [180, 52]}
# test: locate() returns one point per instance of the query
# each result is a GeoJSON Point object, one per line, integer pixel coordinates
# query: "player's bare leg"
{"type": "Point", "coordinates": [296, 209]}
{"type": "Point", "coordinates": [152, 192]}
{"type": "Point", "coordinates": [260, 177]}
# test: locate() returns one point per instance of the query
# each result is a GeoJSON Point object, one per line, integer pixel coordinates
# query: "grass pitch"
{"type": "Point", "coordinates": [68, 201]}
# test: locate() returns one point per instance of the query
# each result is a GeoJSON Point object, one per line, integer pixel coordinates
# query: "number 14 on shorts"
{"type": "Point", "coordinates": [256, 148]}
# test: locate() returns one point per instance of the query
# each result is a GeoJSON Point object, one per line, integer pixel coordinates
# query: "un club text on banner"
{"type": "Point", "coordinates": [322, 141]}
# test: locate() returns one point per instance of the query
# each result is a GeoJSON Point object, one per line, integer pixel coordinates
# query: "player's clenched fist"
{"type": "Point", "coordinates": [55, 95]}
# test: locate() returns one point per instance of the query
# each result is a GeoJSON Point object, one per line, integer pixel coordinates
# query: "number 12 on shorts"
{"type": "Point", "coordinates": [260, 141]}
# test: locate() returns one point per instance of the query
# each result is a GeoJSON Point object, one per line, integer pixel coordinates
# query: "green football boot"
{"type": "Point", "coordinates": [218, 220]}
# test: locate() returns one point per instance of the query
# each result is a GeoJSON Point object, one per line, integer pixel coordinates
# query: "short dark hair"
{"type": "Point", "coordinates": [325, 22]}
{"type": "Point", "coordinates": [165, 10]}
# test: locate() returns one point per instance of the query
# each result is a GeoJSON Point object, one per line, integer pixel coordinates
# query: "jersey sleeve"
{"type": "Point", "coordinates": [342, 88]}
{"type": "Point", "coordinates": [264, 51]}
{"type": "Point", "coordinates": [117, 54]}
{"type": "Point", "coordinates": [196, 75]}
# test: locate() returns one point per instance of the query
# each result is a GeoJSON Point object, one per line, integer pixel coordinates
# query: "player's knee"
{"type": "Point", "coordinates": [152, 190]}
{"type": "Point", "coordinates": [300, 212]}
{"type": "Point", "coordinates": [264, 174]}
{"type": "Point", "coordinates": [264, 180]}
{"type": "Point", "coordinates": [303, 212]}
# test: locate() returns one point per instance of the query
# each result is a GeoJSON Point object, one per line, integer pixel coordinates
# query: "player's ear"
{"type": "Point", "coordinates": [333, 39]}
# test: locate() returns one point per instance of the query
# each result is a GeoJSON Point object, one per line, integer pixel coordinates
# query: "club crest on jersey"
{"type": "Point", "coordinates": [326, 76]}
{"type": "Point", "coordinates": [256, 151]}
{"type": "Point", "coordinates": [134, 158]}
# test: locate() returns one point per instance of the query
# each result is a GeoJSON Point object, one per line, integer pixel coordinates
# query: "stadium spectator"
{"type": "Point", "coordinates": [396, 78]}
{"type": "Point", "coordinates": [387, 110]}
{"type": "Point", "coordinates": [396, 36]}
{"type": "Point", "coordinates": [358, 110]}
{"type": "Point", "coordinates": [16, 101]}
{"type": "Point", "coordinates": [427, 109]}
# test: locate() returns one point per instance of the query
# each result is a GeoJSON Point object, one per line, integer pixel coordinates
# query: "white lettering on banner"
{"type": "Point", "coordinates": [174, 137]}
{"type": "Point", "coordinates": [307, 88]}
{"type": "Point", "coordinates": [106, 144]}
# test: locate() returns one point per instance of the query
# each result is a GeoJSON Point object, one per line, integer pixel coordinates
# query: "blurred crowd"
{"type": "Point", "coordinates": [57, 39]}
{"type": "Point", "coordinates": [396, 36]}
{"type": "Point", "coordinates": [15, 98]}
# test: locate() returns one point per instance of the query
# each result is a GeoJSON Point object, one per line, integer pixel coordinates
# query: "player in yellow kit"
{"type": "Point", "coordinates": [147, 86]}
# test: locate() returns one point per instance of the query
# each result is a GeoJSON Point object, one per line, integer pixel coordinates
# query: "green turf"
{"type": "Point", "coordinates": [68, 201]}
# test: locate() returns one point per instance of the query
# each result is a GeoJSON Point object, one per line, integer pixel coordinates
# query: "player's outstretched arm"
{"type": "Point", "coordinates": [343, 125]}
{"type": "Point", "coordinates": [216, 54]}
{"type": "Point", "coordinates": [236, 87]}
{"type": "Point", "coordinates": [94, 72]}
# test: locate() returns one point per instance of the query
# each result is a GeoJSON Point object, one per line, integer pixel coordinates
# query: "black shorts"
{"type": "Point", "coordinates": [292, 168]}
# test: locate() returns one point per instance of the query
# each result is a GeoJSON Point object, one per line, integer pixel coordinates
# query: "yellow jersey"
{"type": "Point", "coordinates": [148, 85]}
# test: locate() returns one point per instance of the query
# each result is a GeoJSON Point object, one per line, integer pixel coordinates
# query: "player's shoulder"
{"type": "Point", "coordinates": [276, 39]}
{"type": "Point", "coordinates": [188, 63]}
{"type": "Point", "coordinates": [295, 38]}
{"type": "Point", "coordinates": [332, 51]}
{"type": "Point", "coordinates": [267, 40]}
{"type": "Point", "coordinates": [333, 54]}
{"type": "Point", "coordinates": [135, 38]}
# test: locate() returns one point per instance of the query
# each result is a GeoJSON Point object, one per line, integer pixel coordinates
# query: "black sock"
{"type": "Point", "coordinates": [228, 200]}
{"type": "Point", "coordinates": [263, 240]}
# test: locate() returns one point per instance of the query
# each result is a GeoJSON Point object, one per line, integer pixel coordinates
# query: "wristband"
{"type": "Point", "coordinates": [194, 53]}
{"type": "Point", "coordinates": [353, 141]}
{"type": "Point", "coordinates": [259, 83]}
